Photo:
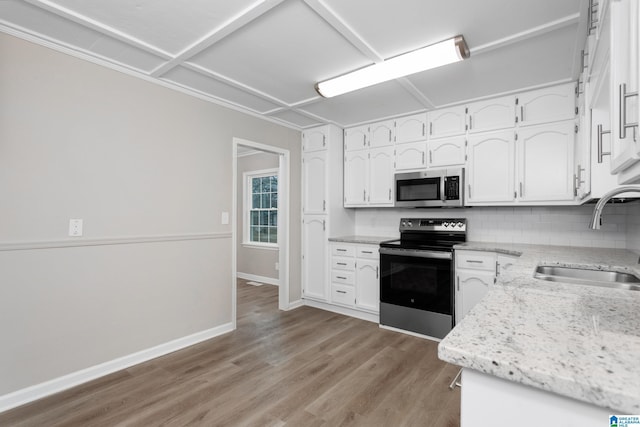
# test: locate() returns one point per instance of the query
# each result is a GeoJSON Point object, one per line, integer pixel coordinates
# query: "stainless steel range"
{"type": "Point", "coordinates": [417, 275]}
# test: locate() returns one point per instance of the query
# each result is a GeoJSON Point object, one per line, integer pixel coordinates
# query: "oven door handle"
{"type": "Point", "coordinates": [416, 253]}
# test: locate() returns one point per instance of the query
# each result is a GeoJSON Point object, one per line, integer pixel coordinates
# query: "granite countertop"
{"type": "Point", "coordinates": [574, 340]}
{"type": "Point", "coordinates": [366, 240]}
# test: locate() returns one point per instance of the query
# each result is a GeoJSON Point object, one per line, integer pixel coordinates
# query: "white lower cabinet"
{"type": "Point", "coordinates": [314, 257]}
{"type": "Point", "coordinates": [476, 272]}
{"type": "Point", "coordinates": [355, 274]}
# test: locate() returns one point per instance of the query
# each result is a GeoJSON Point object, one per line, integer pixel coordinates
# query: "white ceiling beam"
{"type": "Point", "coordinates": [235, 23]}
{"type": "Point", "coordinates": [416, 93]}
{"type": "Point", "coordinates": [527, 34]}
{"type": "Point", "coordinates": [332, 18]}
{"type": "Point", "coordinates": [92, 24]}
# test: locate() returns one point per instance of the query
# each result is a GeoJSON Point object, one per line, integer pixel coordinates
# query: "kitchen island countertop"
{"type": "Point", "coordinates": [574, 340]}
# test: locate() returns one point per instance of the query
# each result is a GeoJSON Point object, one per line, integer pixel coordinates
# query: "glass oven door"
{"type": "Point", "coordinates": [417, 279]}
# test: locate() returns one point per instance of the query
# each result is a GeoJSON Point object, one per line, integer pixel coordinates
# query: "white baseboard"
{"type": "Point", "coordinates": [295, 304]}
{"type": "Point", "coordinates": [38, 391]}
{"type": "Point", "coordinates": [363, 315]}
{"type": "Point", "coordinates": [256, 278]}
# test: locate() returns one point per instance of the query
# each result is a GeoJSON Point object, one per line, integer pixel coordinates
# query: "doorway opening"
{"type": "Point", "coordinates": [260, 221]}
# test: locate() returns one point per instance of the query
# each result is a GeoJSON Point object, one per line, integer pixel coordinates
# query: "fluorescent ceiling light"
{"type": "Point", "coordinates": [425, 58]}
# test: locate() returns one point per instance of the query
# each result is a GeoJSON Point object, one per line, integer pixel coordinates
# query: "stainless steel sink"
{"type": "Point", "coordinates": [583, 276]}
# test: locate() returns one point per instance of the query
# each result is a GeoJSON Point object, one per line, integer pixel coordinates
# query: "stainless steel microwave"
{"type": "Point", "coordinates": [440, 188]}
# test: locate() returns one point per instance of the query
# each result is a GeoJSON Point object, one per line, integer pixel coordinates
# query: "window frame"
{"type": "Point", "coordinates": [247, 178]}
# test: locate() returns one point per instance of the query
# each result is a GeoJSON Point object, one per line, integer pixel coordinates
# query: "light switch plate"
{"type": "Point", "coordinates": [75, 227]}
{"type": "Point", "coordinates": [225, 218]}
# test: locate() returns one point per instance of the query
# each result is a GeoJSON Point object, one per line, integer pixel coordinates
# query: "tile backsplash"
{"type": "Point", "coordinates": [548, 225]}
{"type": "Point", "coordinates": [633, 227]}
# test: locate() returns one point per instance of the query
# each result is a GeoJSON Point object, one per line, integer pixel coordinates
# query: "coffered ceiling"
{"type": "Point", "coordinates": [265, 56]}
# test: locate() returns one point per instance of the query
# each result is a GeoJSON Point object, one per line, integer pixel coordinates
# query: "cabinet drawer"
{"type": "Point", "coordinates": [346, 277]}
{"type": "Point", "coordinates": [339, 263]}
{"type": "Point", "coordinates": [344, 295]}
{"type": "Point", "coordinates": [476, 260]}
{"type": "Point", "coordinates": [371, 252]}
{"type": "Point", "coordinates": [341, 250]}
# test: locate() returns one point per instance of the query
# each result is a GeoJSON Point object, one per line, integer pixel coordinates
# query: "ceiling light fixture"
{"type": "Point", "coordinates": [425, 58]}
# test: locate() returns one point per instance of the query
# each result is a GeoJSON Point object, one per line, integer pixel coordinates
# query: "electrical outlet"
{"type": "Point", "coordinates": [224, 218]}
{"type": "Point", "coordinates": [75, 227]}
{"type": "Point", "coordinates": [277, 266]}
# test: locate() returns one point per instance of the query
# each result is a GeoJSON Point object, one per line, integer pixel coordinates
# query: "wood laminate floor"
{"type": "Point", "coordinates": [305, 367]}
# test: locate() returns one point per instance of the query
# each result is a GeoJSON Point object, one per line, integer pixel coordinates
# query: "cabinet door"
{"type": "Point", "coordinates": [356, 172]}
{"type": "Point", "coordinates": [505, 262]}
{"type": "Point", "coordinates": [411, 156]}
{"type": "Point", "coordinates": [411, 128]}
{"type": "Point", "coordinates": [490, 168]}
{"type": "Point", "coordinates": [447, 151]}
{"type": "Point", "coordinates": [494, 114]}
{"type": "Point", "coordinates": [314, 257]}
{"type": "Point", "coordinates": [545, 156]}
{"type": "Point", "coordinates": [547, 105]}
{"type": "Point", "coordinates": [356, 138]}
{"type": "Point", "coordinates": [625, 138]}
{"type": "Point", "coordinates": [314, 179]}
{"type": "Point", "coordinates": [447, 122]}
{"type": "Point", "coordinates": [381, 171]}
{"type": "Point", "coordinates": [314, 139]}
{"type": "Point", "coordinates": [381, 134]}
{"type": "Point", "coordinates": [471, 287]}
{"type": "Point", "coordinates": [367, 284]}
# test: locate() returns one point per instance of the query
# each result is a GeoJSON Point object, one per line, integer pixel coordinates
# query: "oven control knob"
{"type": "Point", "coordinates": [460, 224]}
{"type": "Point", "coordinates": [446, 224]}
{"type": "Point", "coordinates": [409, 223]}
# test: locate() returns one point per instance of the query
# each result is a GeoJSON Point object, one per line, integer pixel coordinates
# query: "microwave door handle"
{"type": "Point", "coordinates": [442, 187]}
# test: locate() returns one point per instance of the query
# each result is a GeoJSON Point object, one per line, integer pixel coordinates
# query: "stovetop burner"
{"type": "Point", "coordinates": [429, 234]}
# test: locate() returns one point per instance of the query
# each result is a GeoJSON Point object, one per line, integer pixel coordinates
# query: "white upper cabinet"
{"type": "Point", "coordinates": [314, 139]}
{"type": "Point", "coordinates": [381, 171]}
{"type": "Point", "coordinates": [546, 105]}
{"type": "Point", "coordinates": [625, 80]}
{"type": "Point", "coordinates": [411, 156]}
{"type": "Point", "coordinates": [494, 114]}
{"type": "Point", "coordinates": [381, 134]}
{"type": "Point", "coordinates": [490, 168]}
{"type": "Point", "coordinates": [356, 138]}
{"type": "Point", "coordinates": [411, 128]}
{"type": "Point", "coordinates": [447, 122]}
{"type": "Point", "coordinates": [356, 173]}
{"type": "Point", "coordinates": [545, 168]}
{"type": "Point", "coordinates": [314, 178]}
{"type": "Point", "coordinates": [446, 151]}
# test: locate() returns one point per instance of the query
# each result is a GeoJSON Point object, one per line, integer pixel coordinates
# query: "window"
{"type": "Point", "coordinates": [261, 207]}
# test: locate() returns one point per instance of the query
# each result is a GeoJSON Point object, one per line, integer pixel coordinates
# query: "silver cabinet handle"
{"type": "Point", "coordinates": [469, 188]}
{"type": "Point", "coordinates": [341, 263]}
{"type": "Point", "coordinates": [324, 205]}
{"type": "Point", "coordinates": [377, 272]}
{"type": "Point", "coordinates": [474, 261]}
{"type": "Point", "coordinates": [389, 135]}
{"type": "Point", "coordinates": [324, 225]}
{"type": "Point", "coordinates": [341, 250]}
{"type": "Point", "coordinates": [470, 122]}
{"type": "Point", "coordinates": [430, 157]}
{"type": "Point", "coordinates": [364, 195]}
{"type": "Point", "coordinates": [458, 282]}
{"type": "Point", "coordinates": [430, 128]}
{"type": "Point", "coordinates": [623, 111]}
{"type": "Point", "coordinates": [602, 153]}
{"type": "Point", "coordinates": [522, 113]}
{"type": "Point", "coordinates": [341, 292]}
{"type": "Point", "coordinates": [341, 277]}
{"type": "Point", "coordinates": [324, 140]}
{"type": "Point", "coordinates": [367, 252]}
{"type": "Point", "coordinates": [423, 129]}
{"type": "Point", "coordinates": [520, 189]}
{"type": "Point", "coordinates": [389, 194]}
{"type": "Point", "coordinates": [423, 157]}
{"type": "Point", "coordinates": [497, 268]}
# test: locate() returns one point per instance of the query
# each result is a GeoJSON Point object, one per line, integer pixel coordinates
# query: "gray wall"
{"type": "Point", "coordinates": [252, 260]}
{"type": "Point", "coordinates": [134, 160]}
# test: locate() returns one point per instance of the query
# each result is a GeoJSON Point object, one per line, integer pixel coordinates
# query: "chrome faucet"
{"type": "Point", "coordinates": [597, 212]}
